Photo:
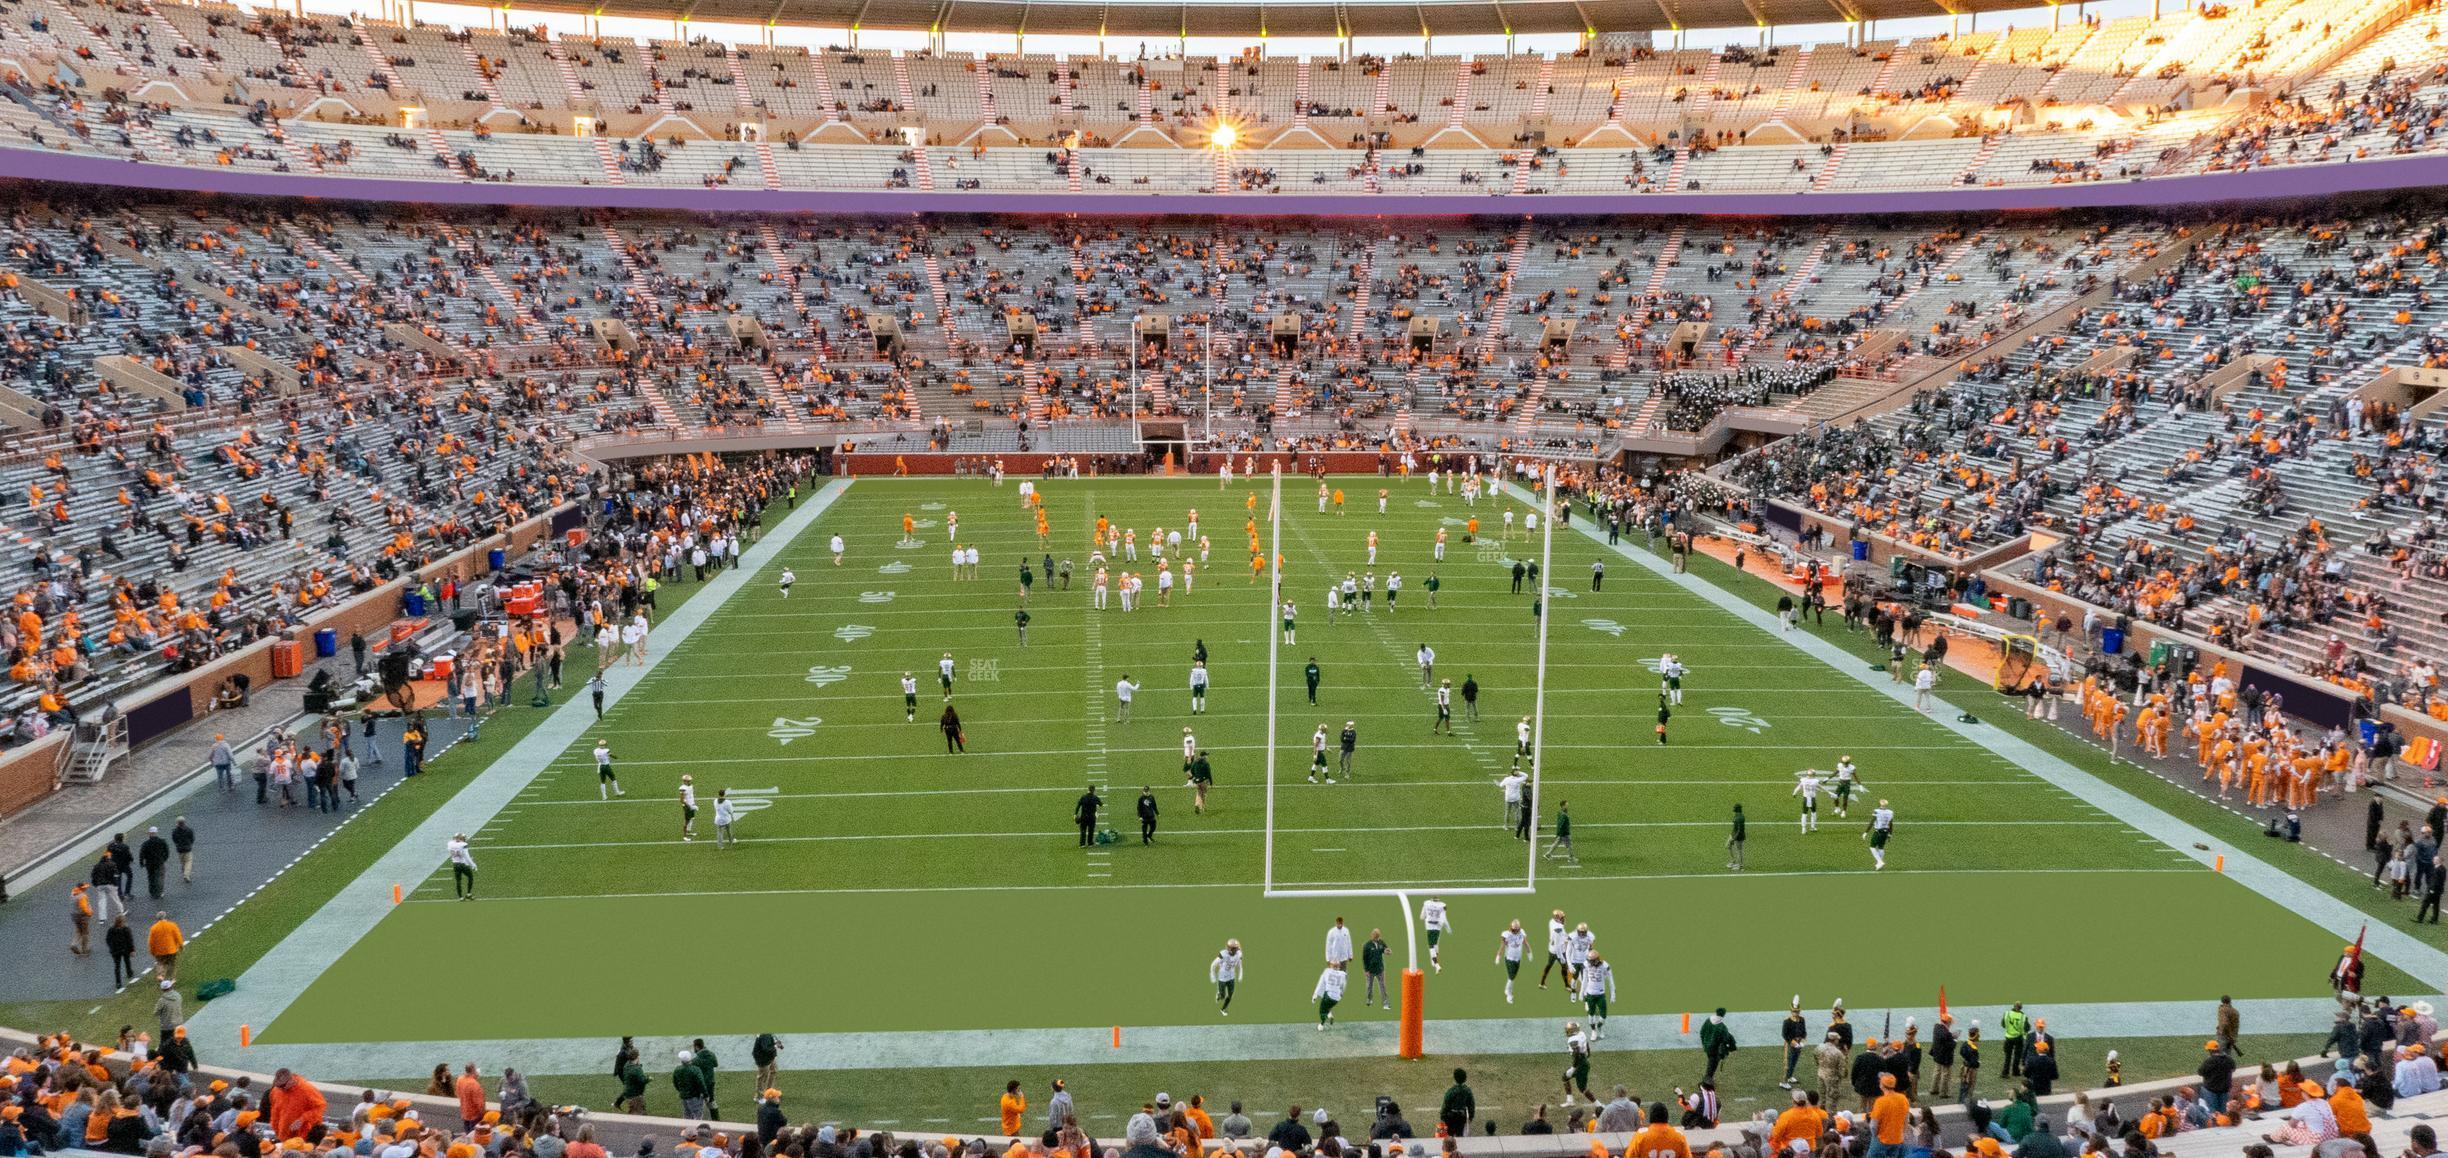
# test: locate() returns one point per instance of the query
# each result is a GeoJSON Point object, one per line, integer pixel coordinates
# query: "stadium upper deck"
{"type": "Point", "coordinates": [2211, 90]}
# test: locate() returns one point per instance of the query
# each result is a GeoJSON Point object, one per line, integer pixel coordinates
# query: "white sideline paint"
{"type": "Point", "coordinates": [1361, 1033]}
{"type": "Point", "coordinates": [2423, 962]}
{"type": "Point", "coordinates": [268, 986]}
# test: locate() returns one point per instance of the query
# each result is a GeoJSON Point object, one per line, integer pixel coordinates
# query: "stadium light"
{"type": "Point", "coordinates": [1224, 136]}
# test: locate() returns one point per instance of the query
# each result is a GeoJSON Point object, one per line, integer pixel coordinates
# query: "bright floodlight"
{"type": "Point", "coordinates": [1224, 136]}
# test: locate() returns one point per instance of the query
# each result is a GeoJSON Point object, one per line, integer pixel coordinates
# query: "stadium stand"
{"type": "Point", "coordinates": [2212, 88]}
{"type": "Point", "coordinates": [230, 415]}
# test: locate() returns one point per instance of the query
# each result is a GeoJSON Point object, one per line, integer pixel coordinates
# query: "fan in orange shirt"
{"type": "Point", "coordinates": [1658, 1140]}
{"type": "Point", "coordinates": [1011, 1106]}
{"type": "Point", "coordinates": [1887, 1114]}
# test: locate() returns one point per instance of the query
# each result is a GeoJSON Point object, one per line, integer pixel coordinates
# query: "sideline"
{"type": "Point", "coordinates": [1364, 1034]}
{"type": "Point", "coordinates": [2423, 962]}
{"type": "Point", "coordinates": [276, 979]}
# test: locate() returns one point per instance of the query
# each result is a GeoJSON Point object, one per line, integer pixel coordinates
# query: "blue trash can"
{"type": "Point", "coordinates": [496, 558]}
{"type": "Point", "coordinates": [327, 643]}
{"type": "Point", "coordinates": [2112, 641]}
{"type": "Point", "coordinates": [1861, 550]}
{"type": "Point", "coordinates": [415, 602]}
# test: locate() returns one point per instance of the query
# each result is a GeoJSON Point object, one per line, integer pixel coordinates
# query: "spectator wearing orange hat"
{"type": "Point", "coordinates": [1887, 1116]}
{"type": "Point", "coordinates": [770, 1121]}
{"type": "Point", "coordinates": [2040, 1068]}
{"type": "Point", "coordinates": [2217, 1070]}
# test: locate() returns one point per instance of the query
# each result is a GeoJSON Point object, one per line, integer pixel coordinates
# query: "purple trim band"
{"type": "Point", "coordinates": [2276, 183]}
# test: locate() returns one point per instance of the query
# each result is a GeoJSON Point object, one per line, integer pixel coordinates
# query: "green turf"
{"type": "Point", "coordinates": [874, 833]}
{"type": "Point", "coordinates": [961, 1099]}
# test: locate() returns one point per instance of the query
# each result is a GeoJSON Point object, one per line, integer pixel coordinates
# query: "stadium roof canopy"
{"type": "Point", "coordinates": [1216, 18]}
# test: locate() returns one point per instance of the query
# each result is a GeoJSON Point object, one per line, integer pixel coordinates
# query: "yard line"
{"type": "Point", "coordinates": [648, 731]}
{"type": "Point", "coordinates": [1252, 886]}
{"type": "Point", "coordinates": [1221, 789]}
{"type": "Point", "coordinates": [1423, 615]}
{"type": "Point", "coordinates": [579, 758]}
{"type": "Point", "coordinates": [894, 697]}
{"type": "Point", "coordinates": [865, 837]}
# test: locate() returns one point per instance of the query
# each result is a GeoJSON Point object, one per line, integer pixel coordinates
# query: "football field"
{"type": "Point", "coordinates": [882, 885]}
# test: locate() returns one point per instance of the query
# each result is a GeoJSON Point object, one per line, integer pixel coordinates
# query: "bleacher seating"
{"type": "Point", "coordinates": [2201, 89]}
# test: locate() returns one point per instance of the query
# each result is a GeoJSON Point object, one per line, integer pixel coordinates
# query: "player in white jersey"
{"type": "Point", "coordinates": [1576, 1064]}
{"type": "Point", "coordinates": [1847, 782]}
{"type": "Point", "coordinates": [1882, 826]}
{"type": "Point", "coordinates": [1444, 710]}
{"type": "Point", "coordinates": [1521, 742]}
{"type": "Point", "coordinates": [1328, 994]}
{"type": "Point", "coordinates": [724, 815]}
{"type": "Point", "coordinates": [1559, 941]}
{"type": "Point", "coordinates": [788, 577]}
{"type": "Point", "coordinates": [909, 695]}
{"type": "Point", "coordinates": [688, 808]}
{"type": "Point", "coordinates": [1509, 945]}
{"type": "Point", "coordinates": [943, 675]}
{"type": "Point", "coordinates": [1426, 658]}
{"type": "Point", "coordinates": [1806, 786]}
{"type": "Point", "coordinates": [1578, 949]}
{"type": "Point", "coordinates": [607, 782]}
{"type": "Point", "coordinates": [1338, 943]}
{"type": "Point", "coordinates": [1198, 691]}
{"type": "Point", "coordinates": [1288, 612]}
{"type": "Point", "coordinates": [1597, 988]}
{"type": "Point", "coordinates": [1670, 678]}
{"type": "Point", "coordinates": [837, 550]}
{"type": "Point", "coordinates": [1225, 971]}
{"type": "Point", "coordinates": [1434, 919]}
{"type": "Point", "coordinates": [1393, 589]}
{"type": "Point", "coordinates": [1372, 548]}
{"type": "Point", "coordinates": [1317, 756]}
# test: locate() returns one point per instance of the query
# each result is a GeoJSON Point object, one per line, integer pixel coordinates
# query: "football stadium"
{"type": "Point", "coordinates": [1558, 579]}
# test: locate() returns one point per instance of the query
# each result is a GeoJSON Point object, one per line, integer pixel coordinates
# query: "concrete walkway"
{"type": "Point", "coordinates": [2425, 962]}
{"type": "Point", "coordinates": [31, 835]}
{"type": "Point", "coordinates": [267, 988]}
{"type": "Point", "coordinates": [240, 847]}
